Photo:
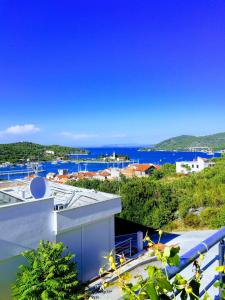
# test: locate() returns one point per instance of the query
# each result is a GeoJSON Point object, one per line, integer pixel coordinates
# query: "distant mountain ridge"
{"type": "Point", "coordinates": [185, 142]}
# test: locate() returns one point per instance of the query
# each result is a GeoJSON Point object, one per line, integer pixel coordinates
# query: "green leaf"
{"type": "Point", "coordinates": [151, 291]}
{"type": "Point", "coordinates": [174, 260]}
{"type": "Point", "coordinates": [151, 271]}
{"type": "Point", "coordinates": [207, 297]}
{"type": "Point", "coordinates": [164, 284]}
{"type": "Point", "coordinates": [195, 287]}
{"type": "Point", "coordinates": [219, 269]}
{"type": "Point", "coordinates": [44, 295]}
{"type": "Point", "coordinates": [166, 252]}
{"type": "Point", "coordinates": [217, 284]}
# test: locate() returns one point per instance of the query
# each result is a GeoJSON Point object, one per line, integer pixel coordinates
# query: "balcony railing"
{"type": "Point", "coordinates": [214, 257]}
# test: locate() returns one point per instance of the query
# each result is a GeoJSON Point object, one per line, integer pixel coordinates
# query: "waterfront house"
{"type": "Point", "coordinates": [187, 167]}
{"type": "Point", "coordinates": [61, 178]}
{"type": "Point", "coordinates": [62, 171]}
{"type": "Point", "coordinates": [50, 175]}
{"type": "Point", "coordinates": [50, 152]}
{"type": "Point", "coordinates": [84, 175]}
{"type": "Point", "coordinates": [102, 175]}
{"type": "Point", "coordinates": [139, 170]}
{"type": "Point", "coordinates": [80, 218]}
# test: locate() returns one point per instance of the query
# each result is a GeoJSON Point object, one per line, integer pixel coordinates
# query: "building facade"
{"type": "Point", "coordinates": [187, 167]}
{"type": "Point", "coordinates": [82, 219]}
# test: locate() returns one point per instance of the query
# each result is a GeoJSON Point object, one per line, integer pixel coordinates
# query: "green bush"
{"type": "Point", "coordinates": [192, 220]}
{"type": "Point", "coordinates": [155, 200]}
{"type": "Point", "coordinates": [207, 215]}
{"type": "Point", "coordinates": [218, 220]}
{"type": "Point", "coordinates": [49, 273]}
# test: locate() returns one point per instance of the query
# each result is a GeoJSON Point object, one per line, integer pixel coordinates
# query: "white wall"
{"type": "Point", "coordinates": [8, 269]}
{"type": "Point", "coordinates": [22, 226]}
{"type": "Point", "coordinates": [90, 242]}
{"type": "Point", "coordinates": [88, 231]}
{"type": "Point", "coordinates": [74, 217]}
{"type": "Point", "coordinates": [195, 166]}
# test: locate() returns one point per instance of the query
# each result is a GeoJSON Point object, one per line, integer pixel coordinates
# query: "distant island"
{"type": "Point", "coordinates": [214, 142]}
{"type": "Point", "coordinates": [22, 151]}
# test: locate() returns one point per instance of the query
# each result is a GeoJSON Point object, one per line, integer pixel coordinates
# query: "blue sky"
{"type": "Point", "coordinates": [117, 71]}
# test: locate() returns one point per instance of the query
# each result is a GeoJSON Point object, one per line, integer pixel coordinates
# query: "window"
{"type": "Point", "coordinates": [197, 166]}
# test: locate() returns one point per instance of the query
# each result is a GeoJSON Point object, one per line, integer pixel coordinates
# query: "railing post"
{"type": "Point", "coordinates": [139, 241]}
{"type": "Point", "coordinates": [221, 263]}
{"type": "Point", "coordinates": [130, 248]}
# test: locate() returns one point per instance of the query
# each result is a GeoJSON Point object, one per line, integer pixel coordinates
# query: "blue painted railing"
{"type": "Point", "coordinates": [191, 255]}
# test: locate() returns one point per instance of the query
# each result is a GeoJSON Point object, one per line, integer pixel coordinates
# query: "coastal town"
{"type": "Point", "coordinates": [139, 170]}
{"type": "Point", "coordinates": [112, 150]}
{"type": "Point", "coordinates": [132, 170]}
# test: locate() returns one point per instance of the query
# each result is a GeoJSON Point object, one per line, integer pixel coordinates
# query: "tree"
{"type": "Point", "coordinates": [49, 273]}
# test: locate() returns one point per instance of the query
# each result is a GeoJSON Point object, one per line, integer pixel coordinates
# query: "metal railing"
{"type": "Point", "coordinates": [128, 243]}
{"type": "Point", "coordinates": [124, 248]}
{"type": "Point", "coordinates": [221, 263]}
{"type": "Point", "coordinates": [190, 256]}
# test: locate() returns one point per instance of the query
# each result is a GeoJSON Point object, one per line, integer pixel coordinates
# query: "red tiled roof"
{"type": "Point", "coordinates": [85, 174]}
{"type": "Point", "coordinates": [104, 173]}
{"type": "Point", "coordinates": [142, 167]}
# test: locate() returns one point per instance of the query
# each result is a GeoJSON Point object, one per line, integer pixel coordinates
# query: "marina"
{"type": "Point", "coordinates": [92, 163]}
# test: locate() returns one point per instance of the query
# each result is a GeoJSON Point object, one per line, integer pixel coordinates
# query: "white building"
{"type": "Point", "coordinates": [187, 167]}
{"type": "Point", "coordinates": [62, 171]}
{"type": "Point", "coordinates": [49, 152]}
{"type": "Point", "coordinates": [50, 175]}
{"type": "Point", "coordinates": [82, 219]}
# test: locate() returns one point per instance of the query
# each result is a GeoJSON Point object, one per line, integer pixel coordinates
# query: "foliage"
{"type": "Point", "coordinates": [157, 285]}
{"type": "Point", "coordinates": [218, 219]}
{"type": "Point", "coordinates": [218, 284]}
{"type": "Point", "coordinates": [96, 184]}
{"type": "Point", "coordinates": [17, 152]}
{"type": "Point", "coordinates": [208, 215]}
{"type": "Point", "coordinates": [49, 273]}
{"type": "Point", "coordinates": [165, 170]}
{"type": "Point", "coordinates": [163, 197]}
{"type": "Point", "coordinates": [192, 220]}
{"type": "Point", "coordinates": [187, 167]}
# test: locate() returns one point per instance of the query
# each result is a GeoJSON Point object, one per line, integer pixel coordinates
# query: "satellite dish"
{"type": "Point", "coordinates": [38, 187]}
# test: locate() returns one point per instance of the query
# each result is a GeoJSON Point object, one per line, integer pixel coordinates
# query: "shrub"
{"type": "Point", "coordinates": [218, 220]}
{"type": "Point", "coordinates": [48, 274]}
{"type": "Point", "coordinates": [207, 215]}
{"type": "Point", "coordinates": [191, 220]}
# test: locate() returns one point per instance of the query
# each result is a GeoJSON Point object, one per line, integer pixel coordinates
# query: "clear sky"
{"type": "Point", "coordinates": [85, 72]}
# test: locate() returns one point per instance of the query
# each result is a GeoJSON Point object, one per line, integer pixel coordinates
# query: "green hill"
{"type": "Point", "coordinates": [16, 152]}
{"type": "Point", "coordinates": [184, 142]}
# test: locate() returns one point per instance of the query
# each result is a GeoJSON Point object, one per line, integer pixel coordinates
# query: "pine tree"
{"type": "Point", "coordinates": [49, 273]}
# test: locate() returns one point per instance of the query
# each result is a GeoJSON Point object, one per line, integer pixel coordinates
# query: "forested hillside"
{"type": "Point", "coordinates": [184, 142]}
{"type": "Point", "coordinates": [22, 151]}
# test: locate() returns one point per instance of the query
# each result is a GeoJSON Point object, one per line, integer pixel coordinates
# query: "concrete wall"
{"type": "Point", "coordinates": [75, 217]}
{"type": "Point", "coordinates": [90, 242]}
{"type": "Point", "coordinates": [8, 269]}
{"type": "Point", "coordinates": [22, 226]}
{"type": "Point", "coordinates": [89, 232]}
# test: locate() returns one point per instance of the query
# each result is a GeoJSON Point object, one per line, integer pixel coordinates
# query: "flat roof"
{"type": "Point", "coordinates": [67, 196]}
